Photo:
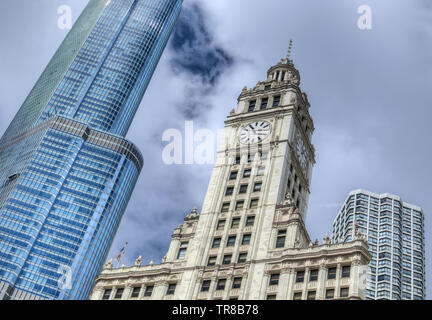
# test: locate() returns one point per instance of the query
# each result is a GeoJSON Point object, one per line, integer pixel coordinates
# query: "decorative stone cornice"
{"type": "Point", "coordinates": [358, 248]}
{"type": "Point", "coordinates": [259, 114]}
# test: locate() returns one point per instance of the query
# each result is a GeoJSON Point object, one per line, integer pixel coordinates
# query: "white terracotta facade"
{"type": "Point", "coordinates": [250, 240]}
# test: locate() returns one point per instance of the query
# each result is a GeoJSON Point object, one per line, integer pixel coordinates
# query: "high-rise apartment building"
{"type": "Point", "coordinates": [250, 240]}
{"type": "Point", "coordinates": [395, 233]}
{"type": "Point", "coordinates": [66, 170]}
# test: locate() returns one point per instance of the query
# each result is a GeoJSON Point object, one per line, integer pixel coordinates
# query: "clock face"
{"type": "Point", "coordinates": [301, 153]}
{"type": "Point", "coordinates": [255, 132]}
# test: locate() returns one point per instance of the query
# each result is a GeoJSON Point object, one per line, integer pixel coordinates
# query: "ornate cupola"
{"type": "Point", "coordinates": [284, 71]}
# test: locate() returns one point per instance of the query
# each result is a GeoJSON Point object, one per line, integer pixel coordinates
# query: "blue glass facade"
{"type": "Point", "coordinates": [66, 171]}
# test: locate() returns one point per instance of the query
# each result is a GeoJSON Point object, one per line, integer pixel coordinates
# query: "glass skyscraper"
{"type": "Point", "coordinates": [395, 233]}
{"type": "Point", "coordinates": [66, 170]}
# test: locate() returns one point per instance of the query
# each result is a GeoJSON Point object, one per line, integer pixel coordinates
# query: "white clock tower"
{"type": "Point", "coordinates": [272, 124]}
{"type": "Point", "coordinates": [250, 240]}
{"type": "Point", "coordinates": [266, 154]}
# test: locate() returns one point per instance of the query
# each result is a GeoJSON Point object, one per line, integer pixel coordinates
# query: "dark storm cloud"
{"type": "Point", "coordinates": [195, 51]}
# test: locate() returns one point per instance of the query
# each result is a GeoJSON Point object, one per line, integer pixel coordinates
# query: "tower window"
{"type": "Point", "coordinates": [346, 271]}
{"type": "Point", "coordinates": [311, 295]}
{"type": "Point", "coordinates": [267, 87]}
{"type": "Point", "coordinates": [229, 191]}
{"type": "Point", "coordinates": [182, 251]}
{"type": "Point", "coordinates": [233, 175]}
{"type": "Point", "coordinates": [331, 273]}
{"type": "Point", "coordinates": [246, 239]}
{"type": "Point", "coordinates": [205, 287]}
{"type": "Point", "coordinates": [231, 241]}
{"type": "Point", "coordinates": [148, 291]}
{"type": "Point", "coordinates": [257, 187]}
{"type": "Point", "coordinates": [274, 279]}
{"type": "Point", "coordinates": [235, 223]}
{"type": "Point", "coordinates": [329, 293]}
{"type": "Point", "coordinates": [253, 204]}
{"type": "Point", "coordinates": [107, 294]}
{"type": "Point", "coordinates": [283, 76]}
{"type": "Point", "coordinates": [247, 173]}
{"type": "Point", "coordinates": [242, 257]}
{"type": "Point", "coordinates": [300, 276]}
{"type": "Point", "coordinates": [260, 171]}
{"type": "Point", "coordinates": [211, 261]}
{"type": "Point", "coordinates": [251, 105]}
{"type": "Point", "coordinates": [216, 243]}
{"type": "Point", "coordinates": [135, 292]}
{"type": "Point", "coordinates": [280, 240]}
{"type": "Point", "coordinates": [276, 101]}
{"type": "Point", "coordinates": [277, 75]}
{"type": "Point", "coordinates": [344, 292]}
{"type": "Point", "coordinates": [221, 225]}
{"type": "Point", "coordinates": [250, 221]}
{"type": "Point", "coordinates": [221, 284]}
{"type": "Point", "coordinates": [297, 296]}
{"type": "Point", "coordinates": [239, 205]}
{"type": "Point", "coordinates": [243, 188]}
{"type": "Point", "coordinates": [264, 103]}
{"type": "Point", "coordinates": [225, 207]}
{"type": "Point", "coordinates": [237, 160]}
{"type": "Point", "coordinates": [271, 297]}
{"type": "Point", "coordinates": [226, 259]}
{"type": "Point", "coordinates": [119, 293]}
{"type": "Point", "coordinates": [171, 288]}
{"type": "Point", "coordinates": [237, 283]}
{"type": "Point", "coordinates": [313, 276]}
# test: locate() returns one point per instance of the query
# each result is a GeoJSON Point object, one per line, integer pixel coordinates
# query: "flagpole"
{"type": "Point", "coordinates": [120, 255]}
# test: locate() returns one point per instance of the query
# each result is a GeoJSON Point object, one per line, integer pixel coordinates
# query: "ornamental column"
{"type": "Point", "coordinates": [113, 292]}
{"type": "Point", "coordinates": [127, 292]}
{"type": "Point", "coordinates": [355, 278]}
{"type": "Point", "coordinates": [264, 285]}
{"type": "Point", "coordinates": [322, 273]}
{"type": "Point", "coordinates": [227, 289]}
{"type": "Point", "coordinates": [142, 291]}
{"type": "Point", "coordinates": [160, 289]}
{"type": "Point", "coordinates": [98, 293]}
{"type": "Point", "coordinates": [243, 283]}
{"type": "Point", "coordinates": [283, 284]}
{"type": "Point", "coordinates": [338, 278]}
{"type": "Point", "coordinates": [305, 283]}
{"type": "Point", "coordinates": [291, 283]}
{"type": "Point", "coordinates": [212, 288]}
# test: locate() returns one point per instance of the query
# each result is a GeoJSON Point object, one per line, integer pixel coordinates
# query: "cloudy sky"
{"type": "Point", "coordinates": [370, 94]}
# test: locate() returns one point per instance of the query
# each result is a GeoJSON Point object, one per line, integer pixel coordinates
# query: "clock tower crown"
{"type": "Point", "coordinates": [284, 71]}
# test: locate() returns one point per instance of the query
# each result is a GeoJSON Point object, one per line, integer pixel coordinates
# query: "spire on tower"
{"type": "Point", "coordinates": [288, 60]}
{"type": "Point", "coordinates": [289, 49]}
